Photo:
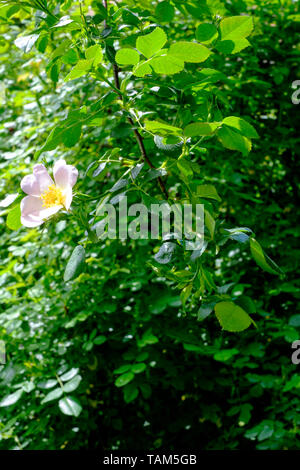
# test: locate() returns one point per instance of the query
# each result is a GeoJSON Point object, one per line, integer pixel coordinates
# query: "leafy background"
{"type": "Point", "coordinates": [120, 357]}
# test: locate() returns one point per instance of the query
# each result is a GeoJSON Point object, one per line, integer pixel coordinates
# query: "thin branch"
{"type": "Point", "coordinates": [138, 136]}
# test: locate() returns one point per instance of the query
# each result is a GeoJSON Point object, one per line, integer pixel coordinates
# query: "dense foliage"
{"type": "Point", "coordinates": [144, 344]}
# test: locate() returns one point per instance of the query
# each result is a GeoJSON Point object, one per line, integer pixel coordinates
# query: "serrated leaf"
{"type": "Point", "coordinates": [210, 223]}
{"type": "Point", "coordinates": [185, 167]}
{"type": "Point", "coordinates": [200, 128]}
{"type": "Point", "coordinates": [232, 47]}
{"type": "Point", "coordinates": [151, 43]}
{"type": "Point", "coordinates": [127, 56]}
{"type": "Point", "coordinates": [206, 33]}
{"type": "Point", "coordinates": [142, 69]}
{"type": "Point", "coordinates": [81, 68]}
{"type": "Point", "coordinates": [232, 317]}
{"type": "Point", "coordinates": [236, 27]}
{"type": "Point", "coordinates": [233, 140]}
{"type": "Point", "coordinates": [75, 263]}
{"type": "Point", "coordinates": [161, 128]}
{"type": "Point", "coordinates": [208, 191]}
{"type": "Point", "coordinates": [167, 64]}
{"type": "Point", "coordinates": [262, 259]}
{"type": "Point", "coordinates": [189, 51]}
{"type": "Point", "coordinates": [164, 12]}
{"type": "Point", "coordinates": [241, 126]}
{"type": "Point", "coordinates": [70, 406]}
{"type": "Point", "coordinates": [171, 144]}
{"type": "Point", "coordinates": [95, 54]}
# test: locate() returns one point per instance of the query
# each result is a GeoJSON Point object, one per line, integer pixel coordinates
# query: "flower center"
{"type": "Point", "coordinates": [53, 196]}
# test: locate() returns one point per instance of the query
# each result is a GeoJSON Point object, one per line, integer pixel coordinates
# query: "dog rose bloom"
{"type": "Point", "coordinates": [46, 197]}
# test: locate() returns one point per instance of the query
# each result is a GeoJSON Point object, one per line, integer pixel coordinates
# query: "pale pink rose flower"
{"type": "Point", "coordinates": [46, 197]}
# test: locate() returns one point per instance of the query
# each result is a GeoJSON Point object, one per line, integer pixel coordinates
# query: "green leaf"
{"type": "Point", "coordinates": [232, 317]}
{"type": "Point", "coordinates": [142, 69]}
{"type": "Point", "coordinates": [167, 64]}
{"type": "Point", "coordinates": [210, 223]}
{"type": "Point", "coordinates": [205, 310]}
{"type": "Point", "coordinates": [129, 17]}
{"type": "Point", "coordinates": [122, 369]}
{"type": "Point", "coordinates": [185, 293]}
{"type": "Point", "coordinates": [53, 395]}
{"type": "Point", "coordinates": [170, 144]}
{"type": "Point", "coordinates": [148, 338]}
{"type": "Point", "coordinates": [69, 375]}
{"type": "Point", "coordinates": [225, 354]}
{"type": "Point", "coordinates": [67, 135]}
{"type": "Point", "coordinates": [11, 399]}
{"type": "Point", "coordinates": [75, 263]}
{"type": "Point", "coordinates": [70, 406]}
{"type": "Point", "coordinates": [138, 368]}
{"type": "Point", "coordinates": [200, 128]}
{"type": "Point", "coordinates": [236, 27]}
{"type": "Point", "coordinates": [13, 220]}
{"type": "Point", "coordinates": [206, 33]}
{"type": "Point", "coordinates": [262, 259]}
{"type": "Point", "coordinates": [72, 384]}
{"type": "Point", "coordinates": [234, 141]}
{"type": "Point", "coordinates": [94, 54]}
{"type": "Point", "coordinates": [151, 43]}
{"type": "Point", "coordinates": [161, 128]}
{"type": "Point", "coordinates": [70, 57]}
{"type": "Point", "coordinates": [185, 167]}
{"type": "Point", "coordinates": [241, 126]}
{"type": "Point", "coordinates": [294, 382]}
{"type": "Point", "coordinates": [130, 393]}
{"type": "Point", "coordinates": [81, 68]}
{"type": "Point", "coordinates": [164, 12]}
{"type": "Point", "coordinates": [100, 340]}
{"type": "Point", "coordinates": [124, 379]}
{"type": "Point", "coordinates": [208, 191]}
{"type": "Point", "coordinates": [189, 51]}
{"type": "Point", "coordinates": [232, 47]}
{"type": "Point", "coordinates": [127, 56]}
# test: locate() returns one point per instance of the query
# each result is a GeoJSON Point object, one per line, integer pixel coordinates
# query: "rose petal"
{"type": "Point", "coordinates": [33, 213]}
{"type": "Point", "coordinates": [69, 196]}
{"type": "Point", "coordinates": [64, 175]}
{"type": "Point", "coordinates": [30, 185]}
{"type": "Point", "coordinates": [42, 176]}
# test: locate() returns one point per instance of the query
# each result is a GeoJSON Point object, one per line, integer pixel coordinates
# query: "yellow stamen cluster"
{"type": "Point", "coordinates": [53, 196]}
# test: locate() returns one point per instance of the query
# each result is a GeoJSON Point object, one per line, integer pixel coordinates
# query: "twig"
{"type": "Point", "coordinates": [138, 136]}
